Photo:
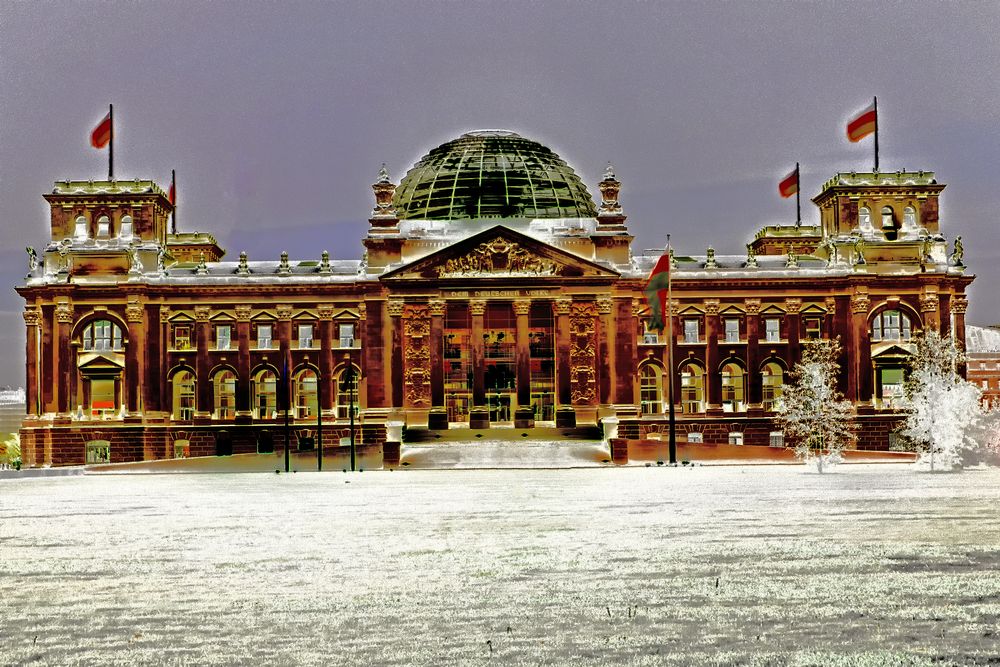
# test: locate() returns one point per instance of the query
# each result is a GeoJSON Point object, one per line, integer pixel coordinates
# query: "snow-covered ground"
{"type": "Point", "coordinates": [867, 565]}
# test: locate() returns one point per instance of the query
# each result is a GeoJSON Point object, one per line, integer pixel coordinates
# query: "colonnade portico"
{"type": "Point", "coordinates": [452, 360]}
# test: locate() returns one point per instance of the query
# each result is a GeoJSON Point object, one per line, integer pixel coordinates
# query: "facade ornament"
{"type": "Point", "coordinates": [859, 251]}
{"type": "Point", "coordinates": [673, 260]}
{"type": "Point", "coordinates": [477, 307]}
{"type": "Point", "coordinates": [831, 304]}
{"type": "Point", "coordinates": [283, 311]}
{"type": "Point", "coordinates": [32, 259]}
{"type": "Point", "coordinates": [752, 306]}
{"type": "Point", "coordinates": [325, 311]}
{"type": "Point", "coordinates": [201, 313]}
{"type": "Point", "coordinates": [860, 303]}
{"type": "Point", "coordinates": [637, 306]}
{"type": "Point", "coordinates": [242, 312]}
{"type": "Point", "coordinates": [32, 317]}
{"type": "Point", "coordinates": [582, 353]}
{"type": "Point", "coordinates": [202, 269]}
{"type": "Point", "coordinates": [604, 306]}
{"type": "Point", "coordinates": [928, 303]}
{"type": "Point", "coordinates": [793, 306]}
{"type": "Point", "coordinates": [395, 307]}
{"type": "Point", "coordinates": [711, 306]}
{"type": "Point", "coordinates": [384, 190]}
{"type": "Point", "coordinates": [362, 311]}
{"type": "Point", "coordinates": [133, 310]}
{"type": "Point", "coordinates": [64, 264]}
{"type": "Point", "coordinates": [959, 252]}
{"type": "Point", "coordinates": [710, 262]}
{"type": "Point", "coordinates": [244, 267]}
{"type": "Point", "coordinates": [164, 314]}
{"type": "Point", "coordinates": [751, 257]}
{"type": "Point", "coordinates": [610, 187]}
{"type": "Point", "coordinates": [284, 268]}
{"type": "Point", "coordinates": [793, 261]}
{"type": "Point", "coordinates": [416, 354]}
{"type": "Point", "coordinates": [324, 263]}
{"type": "Point", "coordinates": [135, 264]}
{"type": "Point", "coordinates": [561, 306]}
{"type": "Point", "coordinates": [502, 257]}
{"type": "Point", "coordinates": [959, 304]}
{"type": "Point", "coordinates": [522, 307]}
{"type": "Point", "coordinates": [161, 261]}
{"type": "Point", "coordinates": [64, 312]}
{"type": "Point", "coordinates": [437, 307]}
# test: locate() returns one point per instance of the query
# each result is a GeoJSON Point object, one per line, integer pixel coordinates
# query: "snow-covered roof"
{"type": "Point", "coordinates": [982, 339]}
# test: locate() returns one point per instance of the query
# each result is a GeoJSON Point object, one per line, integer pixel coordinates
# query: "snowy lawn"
{"type": "Point", "coordinates": [761, 565]}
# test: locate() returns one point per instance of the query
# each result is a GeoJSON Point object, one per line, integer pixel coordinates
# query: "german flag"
{"type": "Point", "coordinates": [101, 136]}
{"type": "Point", "coordinates": [864, 123]}
{"type": "Point", "coordinates": [790, 184]}
{"type": "Point", "coordinates": [656, 292]}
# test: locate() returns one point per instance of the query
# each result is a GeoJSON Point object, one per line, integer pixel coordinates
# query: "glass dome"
{"type": "Point", "coordinates": [492, 174]}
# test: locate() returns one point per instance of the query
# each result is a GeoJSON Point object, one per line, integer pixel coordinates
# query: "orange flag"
{"type": "Point", "coordinates": [863, 124]}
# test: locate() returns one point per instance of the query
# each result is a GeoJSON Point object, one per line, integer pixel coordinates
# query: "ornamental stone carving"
{"type": "Point", "coordinates": [603, 306]}
{"type": "Point", "coordinates": [522, 307]}
{"type": "Point", "coordinates": [64, 313]}
{"type": "Point", "coordinates": [582, 355]}
{"type": "Point", "coordinates": [325, 311]}
{"type": "Point", "coordinates": [561, 306]}
{"type": "Point", "coordinates": [283, 311]}
{"type": "Point", "coordinates": [831, 304]}
{"type": "Point", "coordinates": [793, 306]}
{"type": "Point", "coordinates": [242, 312]}
{"type": "Point", "coordinates": [860, 303]}
{"type": "Point", "coordinates": [395, 307]}
{"type": "Point", "coordinates": [959, 304]}
{"type": "Point", "coordinates": [362, 311]}
{"type": "Point", "coordinates": [477, 307]}
{"type": "Point", "coordinates": [499, 256]}
{"type": "Point", "coordinates": [711, 306]}
{"type": "Point", "coordinates": [165, 314]}
{"type": "Point", "coordinates": [437, 307]}
{"type": "Point", "coordinates": [752, 306]}
{"type": "Point", "coordinates": [416, 354]}
{"type": "Point", "coordinates": [201, 313]}
{"type": "Point", "coordinates": [32, 317]}
{"type": "Point", "coordinates": [133, 311]}
{"type": "Point", "coordinates": [928, 303]}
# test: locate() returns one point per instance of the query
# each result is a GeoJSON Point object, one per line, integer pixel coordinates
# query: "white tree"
{"type": "Point", "coordinates": [812, 411]}
{"type": "Point", "coordinates": [946, 417]}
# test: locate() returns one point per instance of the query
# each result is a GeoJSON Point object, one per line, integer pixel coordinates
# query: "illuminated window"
{"type": "Point", "coordinates": [347, 393]}
{"type": "Point", "coordinates": [103, 401]}
{"type": "Point", "coordinates": [183, 396]}
{"type": "Point", "coordinates": [772, 377]}
{"type": "Point", "coordinates": [892, 325]}
{"type": "Point", "coordinates": [692, 389]}
{"type": "Point", "coordinates": [265, 395]}
{"type": "Point", "coordinates": [102, 336]}
{"type": "Point", "coordinates": [305, 394]}
{"type": "Point", "coordinates": [182, 338]}
{"type": "Point", "coordinates": [224, 383]}
{"type": "Point", "coordinates": [650, 392]}
{"type": "Point", "coordinates": [732, 387]}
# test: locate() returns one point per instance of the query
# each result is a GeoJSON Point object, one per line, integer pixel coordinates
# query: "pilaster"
{"type": "Point", "coordinates": [523, 415]}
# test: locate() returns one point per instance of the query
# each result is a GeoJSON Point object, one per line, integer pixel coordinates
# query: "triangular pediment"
{"type": "Point", "coordinates": [499, 252]}
{"type": "Point", "coordinates": [890, 351]}
{"type": "Point", "coordinates": [97, 363]}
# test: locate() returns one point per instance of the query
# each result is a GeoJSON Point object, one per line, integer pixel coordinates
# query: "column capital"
{"type": "Point", "coordinates": [929, 303]}
{"type": "Point", "coordinates": [242, 312]}
{"type": "Point", "coordinates": [477, 306]}
{"type": "Point", "coordinates": [793, 306]}
{"type": "Point", "coordinates": [959, 304]}
{"type": "Point", "coordinates": [201, 313]}
{"type": "Point", "coordinates": [164, 313]}
{"type": "Point", "coordinates": [438, 307]}
{"type": "Point", "coordinates": [711, 306]}
{"type": "Point", "coordinates": [395, 307]}
{"type": "Point", "coordinates": [284, 311]}
{"type": "Point", "coordinates": [860, 303]}
{"type": "Point", "coordinates": [32, 317]}
{"type": "Point", "coordinates": [64, 312]}
{"type": "Point", "coordinates": [561, 306]}
{"type": "Point", "coordinates": [133, 311]}
{"type": "Point", "coordinates": [752, 306]}
{"type": "Point", "coordinates": [362, 311]}
{"type": "Point", "coordinates": [522, 307]}
{"type": "Point", "coordinates": [325, 311]}
{"type": "Point", "coordinates": [604, 305]}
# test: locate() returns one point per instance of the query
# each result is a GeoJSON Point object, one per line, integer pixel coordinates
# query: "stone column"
{"type": "Point", "coordinates": [135, 357]}
{"type": "Point", "coordinates": [244, 410]}
{"type": "Point", "coordinates": [565, 415]}
{"type": "Point", "coordinates": [47, 367]}
{"type": "Point", "coordinates": [165, 395]}
{"type": "Point", "coordinates": [63, 373]}
{"type": "Point", "coordinates": [325, 364]}
{"type": "Point", "coordinates": [284, 332]}
{"type": "Point", "coordinates": [524, 417]}
{"type": "Point", "coordinates": [755, 390]}
{"type": "Point", "coordinates": [375, 340]}
{"type": "Point", "coordinates": [438, 416]}
{"type": "Point", "coordinates": [154, 353]}
{"type": "Point", "coordinates": [203, 409]}
{"type": "Point", "coordinates": [929, 303]}
{"type": "Point", "coordinates": [959, 304]}
{"type": "Point", "coordinates": [417, 356]}
{"type": "Point", "coordinates": [859, 351]}
{"type": "Point", "coordinates": [479, 414]}
{"type": "Point", "coordinates": [828, 319]}
{"type": "Point", "coordinates": [712, 377]}
{"type": "Point", "coordinates": [605, 352]}
{"type": "Point", "coordinates": [794, 319]}
{"type": "Point", "coordinates": [395, 308]}
{"type": "Point", "coordinates": [624, 342]}
{"type": "Point", "coordinates": [32, 320]}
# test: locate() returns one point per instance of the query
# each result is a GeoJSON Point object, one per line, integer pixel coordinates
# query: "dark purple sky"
{"type": "Point", "coordinates": [277, 115]}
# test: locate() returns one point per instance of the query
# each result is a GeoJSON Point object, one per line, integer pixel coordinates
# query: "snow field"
{"type": "Point", "coordinates": [761, 565]}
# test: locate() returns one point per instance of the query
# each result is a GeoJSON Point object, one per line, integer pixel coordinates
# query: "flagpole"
{"type": "Point", "coordinates": [670, 357]}
{"type": "Point", "coordinates": [111, 143]}
{"type": "Point", "coordinates": [173, 190]}
{"type": "Point", "coordinates": [875, 107]}
{"type": "Point", "coordinates": [798, 191]}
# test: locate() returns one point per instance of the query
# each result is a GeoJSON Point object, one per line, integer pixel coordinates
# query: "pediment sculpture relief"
{"type": "Point", "coordinates": [500, 256]}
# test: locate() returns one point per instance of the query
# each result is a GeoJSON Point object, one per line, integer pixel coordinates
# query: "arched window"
{"type": "Point", "coordinates": [772, 377]}
{"type": "Point", "coordinates": [80, 231]}
{"type": "Point", "coordinates": [103, 227]}
{"type": "Point", "coordinates": [102, 336]}
{"type": "Point", "coordinates": [909, 218]}
{"type": "Point", "coordinates": [865, 219]}
{"type": "Point", "coordinates": [733, 383]}
{"type": "Point", "coordinates": [125, 234]}
{"type": "Point", "coordinates": [183, 396]}
{"type": "Point", "coordinates": [888, 218]}
{"type": "Point", "coordinates": [891, 325]}
{"type": "Point", "coordinates": [305, 394]}
{"type": "Point", "coordinates": [347, 393]}
{"type": "Point", "coordinates": [650, 390]}
{"type": "Point", "coordinates": [692, 388]}
{"type": "Point", "coordinates": [224, 384]}
{"type": "Point", "coordinates": [264, 387]}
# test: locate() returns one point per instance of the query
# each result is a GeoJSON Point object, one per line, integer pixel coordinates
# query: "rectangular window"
{"type": "Point", "coordinates": [772, 329]}
{"type": "Point", "coordinates": [649, 336]}
{"type": "Point", "coordinates": [223, 337]}
{"type": "Point", "coordinates": [891, 380]}
{"type": "Point", "coordinates": [735, 438]}
{"type": "Point", "coordinates": [98, 451]}
{"type": "Point", "coordinates": [182, 338]}
{"type": "Point", "coordinates": [305, 335]}
{"type": "Point", "coordinates": [732, 330]}
{"type": "Point", "coordinates": [696, 437]}
{"type": "Point", "coordinates": [777, 439]}
{"type": "Point", "coordinates": [691, 331]}
{"type": "Point", "coordinates": [346, 335]}
{"type": "Point", "coordinates": [814, 327]}
{"type": "Point", "coordinates": [102, 397]}
{"type": "Point", "coordinates": [263, 336]}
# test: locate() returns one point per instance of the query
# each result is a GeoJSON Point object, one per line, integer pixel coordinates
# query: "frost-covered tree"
{"type": "Point", "coordinates": [811, 410]}
{"type": "Point", "coordinates": [946, 417]}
